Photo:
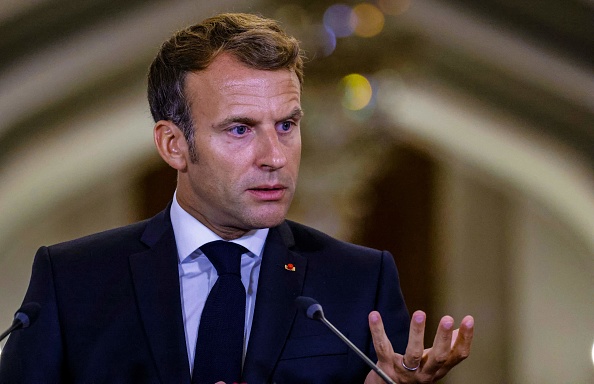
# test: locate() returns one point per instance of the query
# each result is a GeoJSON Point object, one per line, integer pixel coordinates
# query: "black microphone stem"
{"type": "Point", "coordinates": [15, 325]}
{"type": "Point", "coordinates": [377, 370]}
{"type": "Point", "coordinates": [24, 317]}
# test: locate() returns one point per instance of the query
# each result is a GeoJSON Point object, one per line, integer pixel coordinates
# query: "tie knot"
{"type": "Point", "coordinates": [225, 256]}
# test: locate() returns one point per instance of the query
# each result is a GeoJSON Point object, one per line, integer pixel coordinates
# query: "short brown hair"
{"type": "Point", "coordinates": [257, 42]}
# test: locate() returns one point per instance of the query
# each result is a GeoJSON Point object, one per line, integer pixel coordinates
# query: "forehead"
{"type": "Point", "coordinates": [228, 81]}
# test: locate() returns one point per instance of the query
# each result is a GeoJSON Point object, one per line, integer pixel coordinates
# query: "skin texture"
{"type": "Point", "coordinates": [248, 145]}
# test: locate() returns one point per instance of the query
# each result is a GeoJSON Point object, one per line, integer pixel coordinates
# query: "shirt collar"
{"type": "Point", "coordinates": [191, 234]}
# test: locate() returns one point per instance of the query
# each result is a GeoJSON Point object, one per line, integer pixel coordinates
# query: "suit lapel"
{"type": "Point", "coordinates": [275, 309]}
{"type": "Point", "coordinates": [156, 282]}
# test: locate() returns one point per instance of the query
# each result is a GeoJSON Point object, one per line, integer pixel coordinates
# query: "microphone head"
{"type": "Point", "coordinates": [310, 307]}
{"type": "Point", "coordinates": [28, 313]}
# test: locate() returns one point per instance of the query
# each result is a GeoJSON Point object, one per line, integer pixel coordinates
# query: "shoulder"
{"type": "Point", "coordinates": [127, 239]}
{"type": "Point", "coordinates": [311, 240]}
{"type": "Point", "coordinates": [116, 241]}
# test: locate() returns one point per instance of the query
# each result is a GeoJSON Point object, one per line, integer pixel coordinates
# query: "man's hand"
{"type": "Point", "coordinates": [450, 347]}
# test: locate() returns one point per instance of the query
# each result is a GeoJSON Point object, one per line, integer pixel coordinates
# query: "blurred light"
{"type": "Point", "coordinates": [390, 90]}
{"type": "Point", "coordinates": [357, 92]}
{"type": "Point", "coordinates": [592, 353]}
{"type": "Point", "coordinates": [393, 7]}
{"type": "Point", "coordinates": [369, 20]}
{"type": "Point", "coordinates": [339, 19]}
{"type": "Point", "coordinates": [326, 41]}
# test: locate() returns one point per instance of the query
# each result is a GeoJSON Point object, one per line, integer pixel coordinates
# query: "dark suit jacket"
{"type": "Point", "coordinates": [111, 310]}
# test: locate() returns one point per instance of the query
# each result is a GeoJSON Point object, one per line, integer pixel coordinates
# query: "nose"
{"type": "Point", "coordinates": [271, 150]}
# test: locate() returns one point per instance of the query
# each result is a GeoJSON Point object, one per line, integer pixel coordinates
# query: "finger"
{"type": "Point", "coordinates": [442, 345]}
{"type": "Point", "coordinates": [454, 337]}
{"type": "Point", "coordinates": [381, 343]}
{"type": "Point", "coordinates": [461, 342]}
{"type": "Point", "coordinates": [414, 349]}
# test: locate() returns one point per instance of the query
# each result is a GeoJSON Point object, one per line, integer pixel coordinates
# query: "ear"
{"type": "Point", "coordinates": [171, 144]}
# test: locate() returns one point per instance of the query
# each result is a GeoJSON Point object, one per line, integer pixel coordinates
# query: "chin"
{"type": "Point", "coordinates": [259, 224]}
{"type": "Point", "coordinates": [268, 220]}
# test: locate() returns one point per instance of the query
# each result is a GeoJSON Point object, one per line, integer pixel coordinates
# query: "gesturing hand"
{"type": "Point", "coordinates": [420, 365]}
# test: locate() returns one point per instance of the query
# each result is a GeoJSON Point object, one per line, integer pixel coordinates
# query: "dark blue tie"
{"type": "Point", "coordinates": [219, 348]}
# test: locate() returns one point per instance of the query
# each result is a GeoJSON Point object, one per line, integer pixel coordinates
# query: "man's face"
{"type": "Point", "coordinates": [248, 144]}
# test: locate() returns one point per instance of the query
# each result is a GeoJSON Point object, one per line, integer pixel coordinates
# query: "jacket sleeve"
{"type": "Point", "coordinates": [34, 355]}
{"type": "Point", "coordinates": [390, 304]}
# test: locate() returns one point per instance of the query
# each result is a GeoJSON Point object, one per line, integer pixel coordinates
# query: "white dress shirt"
{"type": "Point", "coordinates": [197, 274]}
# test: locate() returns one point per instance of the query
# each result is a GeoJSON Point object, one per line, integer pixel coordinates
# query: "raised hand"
{"type": "Point", "coordinates": [419, 365]}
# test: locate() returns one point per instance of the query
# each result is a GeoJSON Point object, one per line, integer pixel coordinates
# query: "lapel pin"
{"type": "Point", "coordinates": [290, 267]}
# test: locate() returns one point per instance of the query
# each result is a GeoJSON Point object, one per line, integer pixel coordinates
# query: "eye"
{"type": "Point", "coordinates": [239, 130]}
{"type": "Point", "coordinates": [286, 126]}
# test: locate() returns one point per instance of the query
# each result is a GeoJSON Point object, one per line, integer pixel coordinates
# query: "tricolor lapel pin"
{"type": "Point", "coordinates": [290, 267]}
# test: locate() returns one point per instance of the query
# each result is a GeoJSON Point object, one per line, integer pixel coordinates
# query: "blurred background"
{"type": "Point", "coordinates": [457, 134]}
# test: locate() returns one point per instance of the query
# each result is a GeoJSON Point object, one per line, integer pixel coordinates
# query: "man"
{"type": "Point", "coordinates": [132, 305]}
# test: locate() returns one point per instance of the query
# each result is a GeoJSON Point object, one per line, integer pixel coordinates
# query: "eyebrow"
{"type": "Point", "coordinates": [234, 119]}
{"type": "Point", "coordinates": [296, 114]}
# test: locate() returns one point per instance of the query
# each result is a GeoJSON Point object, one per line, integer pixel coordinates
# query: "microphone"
{"type": "Point", "coordinates": [24, 317]}
{"type": "Point", "coordinates": [314, 311]}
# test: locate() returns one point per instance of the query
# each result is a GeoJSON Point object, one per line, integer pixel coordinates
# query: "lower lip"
{"type": "Point", "coordinates": [268, 194]}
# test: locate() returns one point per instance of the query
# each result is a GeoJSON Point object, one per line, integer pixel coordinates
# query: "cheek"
{"type": "Point", "coordinates": [228, 175]}
{"type": "Point", "coordinates": [296, 156]}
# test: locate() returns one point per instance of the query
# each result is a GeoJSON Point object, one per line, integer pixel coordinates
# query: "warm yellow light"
{"type": "Point", "coordinates": [357, 92]}
{"type": "Point", "coordinates": [369, 20]}
{"type": "Point", "coordinates": [592, 353]}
